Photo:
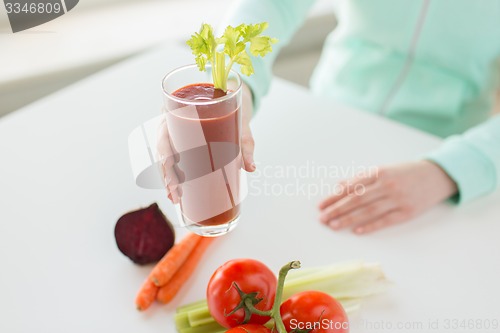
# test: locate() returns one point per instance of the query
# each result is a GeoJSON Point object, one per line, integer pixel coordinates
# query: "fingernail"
{"type": "Point", "coordinates": [359, 230]}
{"type": "Point", "coordinates": [175, 198]}
{"type": "Point", "coordinates": [172, 188]}
{"type": "Point", "coordinates": [335, 224]}
{"type": "Point", "coordinates": [323, 219]}
{"type": "Point", "coordinates": [253, 166]}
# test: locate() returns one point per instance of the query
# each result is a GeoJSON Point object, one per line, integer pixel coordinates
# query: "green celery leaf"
{"type": "Point", "coordinates": [249, 31]}
{"type": "Point", "coordinates": [243, 59]}
{"type": "Point", "coordinates": [203, 45]}
{"type": "Point", "coordinates": [261, 45]}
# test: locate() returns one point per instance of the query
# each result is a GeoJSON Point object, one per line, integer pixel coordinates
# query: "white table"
{"type": "Point", "coordinates": [65, 179]}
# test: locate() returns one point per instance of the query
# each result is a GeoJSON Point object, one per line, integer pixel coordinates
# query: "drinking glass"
{"type": "Point", "coordinates": [202, 160]}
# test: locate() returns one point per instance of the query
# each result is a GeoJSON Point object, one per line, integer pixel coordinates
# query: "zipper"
{"type": "Point", "coordinates": [409, 59]}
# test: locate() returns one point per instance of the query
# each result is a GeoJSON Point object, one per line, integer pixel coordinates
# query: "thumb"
{"type": "Point", "coordinates": [247, 148]}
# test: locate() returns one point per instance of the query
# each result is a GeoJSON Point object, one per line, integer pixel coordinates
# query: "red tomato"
{"type": "Point", "coordinates": [250, 276]}
{"type": "Point", "coordinates": [314, 311]}
{"type": "Point", "coordinates": [249, 328]}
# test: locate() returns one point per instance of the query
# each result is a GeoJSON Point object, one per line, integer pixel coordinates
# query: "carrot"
{"type": "Point", "coordinates": [147, 295]}
{"type": "Point", "coordinates": [168, 291]}
{"type": "Point", "coordinates": [173, 260]}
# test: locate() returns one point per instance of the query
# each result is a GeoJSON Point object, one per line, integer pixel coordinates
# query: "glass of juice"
{"type": "Point", "coordinates": [203, 161]}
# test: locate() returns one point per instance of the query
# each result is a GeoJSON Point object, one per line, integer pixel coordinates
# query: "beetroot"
{"type": "Point", "coordinates": [144, 235]}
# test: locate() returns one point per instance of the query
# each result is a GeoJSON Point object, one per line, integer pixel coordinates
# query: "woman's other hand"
{"type": "Point", "coordinates": [389, 196]}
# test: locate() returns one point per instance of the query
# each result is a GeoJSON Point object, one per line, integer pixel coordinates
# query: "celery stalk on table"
{"type": "Point", "coordinates": [349, 283]}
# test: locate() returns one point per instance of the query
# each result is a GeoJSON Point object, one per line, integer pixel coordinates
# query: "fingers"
{"type": "Point", "coordinates": [365, 204]}
{"type": "Point", "coordinates": [168, 162]}
{"type": "Point", "coordinates": [348, 187]}
{"type": "Point", "coordinates": [247, 148]}
{"type": "Point", "coordinates": [391, 218]}
{"type": "Point", "coordinates": [247, 142]}
{"type": "Point", "coordinates": [351, 203]}
{"type": "Point", "coordinates": [364, 214]}
{"type": "Point", "coordinates": [174, 195]}
{"type": "Point", "coordinates": [172, 184]}
{"type": "Point", "coordinates": [163, 146]}
{"type": "Point", "coordinates": [378, 207]}
{"type": "Point", "coordinates": [343, 191]}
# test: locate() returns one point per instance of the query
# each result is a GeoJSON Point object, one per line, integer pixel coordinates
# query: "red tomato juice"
{"type": "Point", "coordinates": [220, 126]}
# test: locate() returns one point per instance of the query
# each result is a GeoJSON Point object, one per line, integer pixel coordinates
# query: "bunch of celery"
{"type": "Point", "coordinates": [349, 283]}
{"type": "Point", "coordinates": [208, 49]}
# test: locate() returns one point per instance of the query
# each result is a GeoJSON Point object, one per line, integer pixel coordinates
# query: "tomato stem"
{"type": "Point", "coordinates": [249, 305]}
{"type": "Point", "coordinates": [275, 311]}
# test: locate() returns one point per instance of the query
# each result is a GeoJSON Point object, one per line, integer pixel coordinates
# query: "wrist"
{"type": "Point", "coordinates": [443, 183]}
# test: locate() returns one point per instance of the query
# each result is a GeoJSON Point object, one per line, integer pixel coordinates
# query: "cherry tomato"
{"type": "Point", "coordinates": [314, 311]}
{"type": "Point", "coordinates": [249, 328]}
{"type": "Point", "coordinates": [252, 278]}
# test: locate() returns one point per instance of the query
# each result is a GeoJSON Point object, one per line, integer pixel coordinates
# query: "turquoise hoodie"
{"type": "Point", "coordinates": [431, 64]}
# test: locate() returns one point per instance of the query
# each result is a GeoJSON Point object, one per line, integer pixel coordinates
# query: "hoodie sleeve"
{"type": "Point", "coordinates": [284, 18]}
{"type": "Point", "coordinates": [472, 160]}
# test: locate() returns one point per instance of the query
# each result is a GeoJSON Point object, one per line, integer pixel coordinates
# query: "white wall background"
{"type": "Point", "coordinates": [98, 33]}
